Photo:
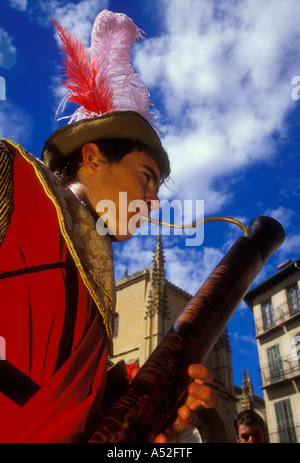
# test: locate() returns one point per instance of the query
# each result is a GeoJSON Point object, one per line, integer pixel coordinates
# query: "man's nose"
{"type": "Point", "coordinates": [154, 204]}
{"type": "Point", "coordinates": [152, 200]}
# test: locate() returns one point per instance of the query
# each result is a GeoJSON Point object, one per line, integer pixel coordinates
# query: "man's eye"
{"type": "Point", "coordinates": [148, 176]}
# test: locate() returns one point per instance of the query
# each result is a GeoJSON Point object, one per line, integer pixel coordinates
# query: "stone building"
{"type": "Point", "coordinates": [147, 306]}
{"type": "Point", "coordinates": [276, 308]}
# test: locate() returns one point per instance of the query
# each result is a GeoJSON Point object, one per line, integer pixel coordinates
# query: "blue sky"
{"type": "Point", "coordinates": [220, 78]}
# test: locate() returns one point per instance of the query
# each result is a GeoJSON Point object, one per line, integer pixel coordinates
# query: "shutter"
{"type": "Point", "coordinates": [285, 422]}
{"type": "Point", "coordinates": [275, 364]}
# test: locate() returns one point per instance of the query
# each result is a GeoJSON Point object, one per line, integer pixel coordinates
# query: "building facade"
{"type": "Point", "coordinates": [276, 308]}
{"type": "Point", "coordinates": [147, 306]}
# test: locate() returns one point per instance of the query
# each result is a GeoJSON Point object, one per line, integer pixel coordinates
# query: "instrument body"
{"type": "Point", "coordinates": [151, 400]}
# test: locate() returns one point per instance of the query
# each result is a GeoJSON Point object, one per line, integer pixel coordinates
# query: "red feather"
{"type": "Point", "coordinates": [80, 73]}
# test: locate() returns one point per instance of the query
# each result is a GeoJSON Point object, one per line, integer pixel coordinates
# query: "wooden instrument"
{"type": "Point", "coordinates": [151, 400]}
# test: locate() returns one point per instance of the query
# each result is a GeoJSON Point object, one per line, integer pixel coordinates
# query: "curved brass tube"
{"type": "Point", "coordinates": [200, 222]}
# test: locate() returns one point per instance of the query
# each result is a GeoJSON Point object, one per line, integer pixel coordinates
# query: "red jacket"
{"type": "Point", "coordinates": [49, 318]}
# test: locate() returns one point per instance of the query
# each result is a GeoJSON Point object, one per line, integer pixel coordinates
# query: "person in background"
{"type": "Point", "coordinates": [250, 428]}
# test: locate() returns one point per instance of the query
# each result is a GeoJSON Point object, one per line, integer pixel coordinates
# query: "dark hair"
{"type": "Point", "coordinates": [114, 150]}
{"type": "Point", "coordinates": [249, 418]}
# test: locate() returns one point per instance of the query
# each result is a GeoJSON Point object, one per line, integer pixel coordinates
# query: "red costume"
{"type": "Point", "coordinates": [56, 282]}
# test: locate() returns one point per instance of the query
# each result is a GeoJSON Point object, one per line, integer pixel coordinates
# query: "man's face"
{"type": "Point", "coordinates": [137, 178]}
{"type": "Point", "coordinates": [250, 434]}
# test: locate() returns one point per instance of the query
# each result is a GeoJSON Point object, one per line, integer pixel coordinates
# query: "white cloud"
{"type": "Point", "coordinates": [188, 268]}
{"type": "Point", "coordinates": [247, 338]}
{"type": "Point", "coordinates": [283, 215]}
{"type": "Point", "coordinates": [10, 126]}
{"type": "Point", "coordinates": [181, 267]}
{"type": "Point", "coordinates": [133, 255]}
{"type": "Point", "coordinates": [290, 247]}
{"type": "Point", "coordinates": [19, 4]}
{"type": "Point", "coordinates": [8, 52]}
{"type": "Point", "coordinates": [223, 74]}
{"type": "Point", "coordinates": [78, 17]}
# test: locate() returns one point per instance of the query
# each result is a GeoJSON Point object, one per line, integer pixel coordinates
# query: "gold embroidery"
{"type": "Point", "coordinates": [6, 190]}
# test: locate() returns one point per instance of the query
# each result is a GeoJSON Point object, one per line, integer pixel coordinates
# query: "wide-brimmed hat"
{"type": "Point", "coordinates": [119, 124]}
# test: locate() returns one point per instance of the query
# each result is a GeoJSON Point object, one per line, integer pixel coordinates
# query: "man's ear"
{"type": "Point", "coordinates": [91, 157]}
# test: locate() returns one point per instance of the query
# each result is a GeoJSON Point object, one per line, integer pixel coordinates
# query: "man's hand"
{"type": "Point", "coordinates": [200, 396]}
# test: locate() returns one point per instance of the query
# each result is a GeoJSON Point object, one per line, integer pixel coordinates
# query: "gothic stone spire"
{"type": "Point", "coordinates": [247, 392]}
{"type": "Point", "coordinates": [157, 300]}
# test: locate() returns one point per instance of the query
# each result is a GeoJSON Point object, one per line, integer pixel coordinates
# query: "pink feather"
{"type": "Point", "coordinates": [113, 35]}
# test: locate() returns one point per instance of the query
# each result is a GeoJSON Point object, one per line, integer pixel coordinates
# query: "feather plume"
{"type": "Point", "coordinates": [101, 79]}
{"type": "Point", "coordinates": [82, 77]}
{"type": "Point", "coordinates": [113, 35]}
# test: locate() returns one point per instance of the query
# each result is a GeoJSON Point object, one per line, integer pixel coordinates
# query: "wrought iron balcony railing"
{"type": "Point", "coordinates": [281, 314]}
{"type": "Point", "coordinates": [283, 369]}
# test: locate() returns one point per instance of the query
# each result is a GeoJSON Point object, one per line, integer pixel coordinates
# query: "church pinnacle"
{"type": "Point", "coordinates": [247, 392]}
{"type": "Point", "coordinates": [158, 261]}
{"type": "Point", "coordinates": [157, 299]}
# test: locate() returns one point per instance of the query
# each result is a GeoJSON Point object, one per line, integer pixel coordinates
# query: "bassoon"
{"type": "Point", "coordinates": [152, 398]}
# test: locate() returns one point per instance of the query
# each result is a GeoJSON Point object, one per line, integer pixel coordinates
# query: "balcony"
{"type": "Point", "coordinates": [282, 314]}
{"type": "Point", "coordinates": [282, 370]}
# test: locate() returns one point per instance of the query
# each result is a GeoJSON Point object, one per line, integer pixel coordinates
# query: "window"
{"type": "Point", "coordinates": [275, 364]}
{"type": "Point", "coordinates": [285, 421]}
{"type": "Point", "coordinates": [116, 325]}
{"type": "Point", "coordinates": [268, 314]}
{"type": "Point", "coordinates": [294, 299]}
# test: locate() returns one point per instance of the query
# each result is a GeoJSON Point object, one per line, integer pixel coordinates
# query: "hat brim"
{"type": "Point", "coordinates": [119, 124]}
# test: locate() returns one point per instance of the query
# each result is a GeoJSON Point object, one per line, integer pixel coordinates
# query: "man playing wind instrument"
{"type": "Point", "coordinates": [57, 283]}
